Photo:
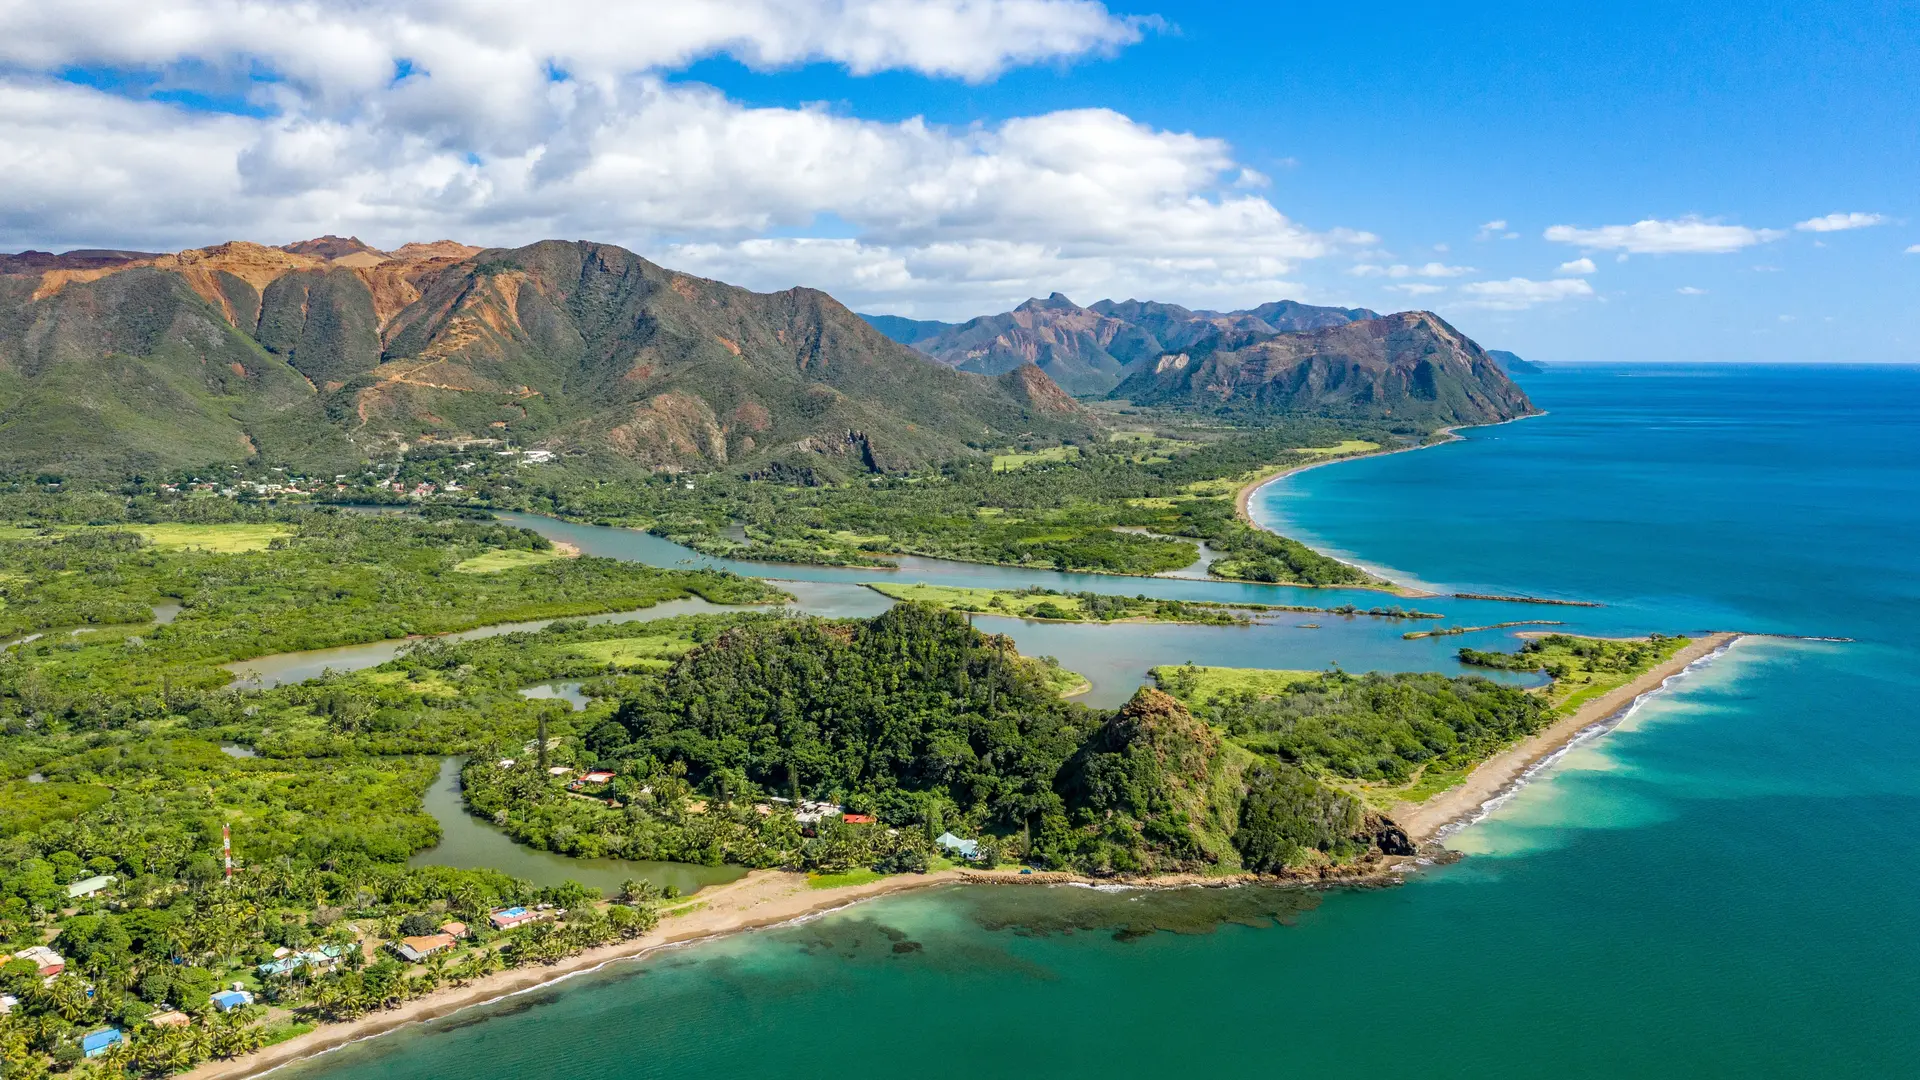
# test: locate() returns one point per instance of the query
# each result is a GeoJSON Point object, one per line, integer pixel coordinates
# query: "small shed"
{"type": "Point", "coordinates": [229, 1000]}
{"type": "Point", "coordinates": [171, 1018]}
{"type": "Point", "coordinates": [88, 887]}
{"type": "Point", "coordinates": [99, 1042]}
{"type": "Point", "coordinates": [966, 849]}
{"type": "Point", "coordinates": [598, 776]}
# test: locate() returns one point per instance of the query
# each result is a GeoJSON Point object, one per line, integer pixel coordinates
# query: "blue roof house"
{"type": "Point", "coordinates": [229, 1000]}
{"type": "Point", "coordinates": [99, 1042]}
{"type": "Point", "coordinates": [966, 849]}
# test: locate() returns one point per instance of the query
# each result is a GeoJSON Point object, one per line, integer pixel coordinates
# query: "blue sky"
{"type": "Point", "coordinates": [1724, 182]}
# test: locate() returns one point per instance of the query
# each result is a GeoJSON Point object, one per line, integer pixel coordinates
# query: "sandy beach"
{"type": "Point", "coordinates": [762, 899]}
{"type": "Point", "coordinates": [1496, 774]}
{"type": "Point", "coordinates": [1242, 500]}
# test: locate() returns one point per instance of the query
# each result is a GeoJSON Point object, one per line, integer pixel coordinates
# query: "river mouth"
{"type": "Point", "coordinates": [467, 843]}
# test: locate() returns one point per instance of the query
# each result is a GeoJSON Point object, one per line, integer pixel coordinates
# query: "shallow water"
{"type": "Point", "coordinates": [469, 843]}
{"type": "Point", "coordinates": [1718, 887]}
{"type": "Point", "coordinates": [565, 690]}
{"type": "Point", "coordinates": [293, 667]}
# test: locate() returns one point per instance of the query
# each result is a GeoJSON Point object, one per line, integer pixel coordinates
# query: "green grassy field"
{"type": "Point", "coordinates": [650, 651]}
{"type": "Point", "coordinates": [1341, 448]}
{"type": "Point", "coordinates": [1195, 684]}
{"type": "Point", "coordinates": [1056, 607]}
{"type": "Point", "coordinates": [490, 562]}
{"type": "Point", "coordinates": [1586, 680]}
{"type": "Point", "coordinates": [223, 539]}
{"type": "Point", "coordinates": [851, 877]}
{"type": "Point", "coordinates": [1020, 459]}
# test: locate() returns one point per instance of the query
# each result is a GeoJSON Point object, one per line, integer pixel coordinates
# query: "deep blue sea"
{"type": "Point", "coordinates": [1723, 885]}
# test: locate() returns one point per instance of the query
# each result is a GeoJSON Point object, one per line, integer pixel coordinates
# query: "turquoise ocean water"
{"type": "Point", "coordinates": [1724, 885]}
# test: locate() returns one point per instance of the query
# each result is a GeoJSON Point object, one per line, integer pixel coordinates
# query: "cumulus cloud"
{"type": "Point", "coordinates": [1516, 294]}
{"type": "Point", "coordinates": [505, 48]}
{"type": "Point", "coordinates": [1578, 266]}
{"type": "Point", "coordinates": [963, 278]}
{"type": "Point", "coordinates": [1652, 236]}
{"type": "Point", "coordinates": [1496, 230]}
{"type": "Point", "coordinates": [405, 121]}
{"type": "Point", "coordinates": [1402, 270]}
{"type": "Point", "coordinates": [1689, 290]}
{"type": "Point", "coordinates": [1913, 250]}
{"type": "Point", "coordinates": [1840, 222]}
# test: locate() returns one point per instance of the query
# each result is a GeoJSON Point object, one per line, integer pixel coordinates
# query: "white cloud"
{"type": "Point", "coordinates": [1515, 294]}
{"type": "Point", "coordinates": [1689, 290]}
{"type": "Point", "coordinates": [964, 278]}
{"type": "Point", "coordinates": [537, 124]}
{"type": "Point", "coordinates": [1689, 235]}
{"type": "Point", "coordinates": [1497, 228]}
{"type": "Point", "coordinates": [1417, 288]}
{"type": "Point", "coordinates": [499, 49]}
{"type": "Point", "coordinates": [1402, 270]}
{"type": "Point", "coordinates": [1578, 266]}
{"type": "Point", "coordinates": [1840, 222]}
{"type": "Point", "coordinates": [1913, 250]}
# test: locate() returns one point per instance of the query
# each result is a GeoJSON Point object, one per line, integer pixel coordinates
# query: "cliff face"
{"type": "Point", "coordinates": [1410, 366]}
{"type": "Point", "coordinates": [1090, 350]}
{"type": "Point", "coordinates": [325, 350]}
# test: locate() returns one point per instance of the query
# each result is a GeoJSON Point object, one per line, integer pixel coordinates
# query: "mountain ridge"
{"type": "Point", "coordinates": [1090, 350]}
{"type": "Point", "coordinates": [325, 351]}
{"type": "Point", "coordinates": [1411, 365]}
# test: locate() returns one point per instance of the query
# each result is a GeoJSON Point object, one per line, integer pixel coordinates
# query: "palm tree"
{"type": "Point", "coordinates": [68, 998]}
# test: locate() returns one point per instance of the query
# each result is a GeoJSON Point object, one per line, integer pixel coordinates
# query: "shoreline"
{"type": "Point", "coordinates": [764, 899]}
{"type": "Point", "coordinates": [1504, 772]}
{"type": "Point", "coordinates": [1243, 501]}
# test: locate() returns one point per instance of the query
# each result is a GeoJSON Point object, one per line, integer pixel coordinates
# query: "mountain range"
{"type": "Point", "coordinates": [325, 352]}
{"type": "Point", "coordinates": [1091, 350]}
{"type": "Point", "coordinates": [1281, 357]}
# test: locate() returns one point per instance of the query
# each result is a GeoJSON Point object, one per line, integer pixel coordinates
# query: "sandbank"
{"type": "Point", "coordinates": [1499, 773]}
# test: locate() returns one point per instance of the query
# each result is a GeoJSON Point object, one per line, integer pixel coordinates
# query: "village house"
{"type": "Point", "coordinates": [49, 962]}
{"type": "Point", "coordinates": [966, 849]}
{"type": "Point", "coordinates": [229, 1000]}
{"type": "Point", "coordinates": [170, 1018]}
{"type": "Point", "coordinates": [508, 918]}
{"type": "Point", "coordinates": [415, 949]}
{"type": "Point", "coordinates": [320, 959]}
{"type": "Point", "coordinates": [88, 887]}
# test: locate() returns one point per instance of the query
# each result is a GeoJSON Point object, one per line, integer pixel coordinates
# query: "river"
{"type": "Point", "coordinates": [469, 843]}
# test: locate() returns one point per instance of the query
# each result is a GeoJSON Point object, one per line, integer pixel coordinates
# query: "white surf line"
{"type": "Point", "coordinates": [1582, 737]}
